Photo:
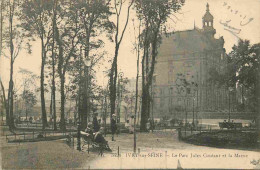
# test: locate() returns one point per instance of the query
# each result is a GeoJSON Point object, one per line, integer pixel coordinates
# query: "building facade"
{"type": "Point", "coordinates": [182, 72]}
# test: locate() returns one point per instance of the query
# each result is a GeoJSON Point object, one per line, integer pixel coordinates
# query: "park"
{"type": "Point", "coordinates": [129, 84]}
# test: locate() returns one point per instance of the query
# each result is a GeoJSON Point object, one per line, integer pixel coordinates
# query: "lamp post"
{"type": "Point", "coordinates": [197, 107]}
{"type": "Point", "coordinates": [230, 89]}
{"type": "Point", "coordinates": [78, 137]}
{"type": "Point", "coordinates": [87, 63]}
{"type": "Point", "coordinates": [193, 123]}
{"type": "Point", "coordinates": [171, 94]}
{"type": "Point", "coordinates": [105, 106]}
{"type": "Point", "coordinates": [120, 78]}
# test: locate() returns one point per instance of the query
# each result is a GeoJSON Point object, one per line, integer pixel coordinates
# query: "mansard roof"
{"type": "Point", "coordinates": [189, 41]}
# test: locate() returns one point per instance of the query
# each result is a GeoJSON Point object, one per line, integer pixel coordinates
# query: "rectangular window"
{"type": "Point", "coordinates": [161, 102]}
{"type": "Point", "coordinates": [188, 90]}
{"type": "Point", "coordinates": [161, 92]}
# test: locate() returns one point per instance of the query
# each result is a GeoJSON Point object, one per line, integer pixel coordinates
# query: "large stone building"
{"type": "Point", "coordinates": [182, 69]}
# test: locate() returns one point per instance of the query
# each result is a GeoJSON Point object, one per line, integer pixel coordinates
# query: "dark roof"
{"type": "Point", "coordinates": [207, 16]}
{"type": "Point", "coordinates": [188, 41]}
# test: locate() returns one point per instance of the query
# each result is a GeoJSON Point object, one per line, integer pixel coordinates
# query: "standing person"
{"type": "Point", "coordinates": [113, 126]}
{"type": "Point", "coordinates": [96, 126]}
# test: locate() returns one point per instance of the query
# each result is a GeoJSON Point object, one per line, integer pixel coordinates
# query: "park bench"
{"type": "Point", "coordinates": [230, 125]}
{"type": "Point", "coordinates": [238, 125]}
{"type": "Point", "coordinates": [89, 140]}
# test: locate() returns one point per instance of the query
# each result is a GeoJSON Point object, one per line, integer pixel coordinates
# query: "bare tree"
{"type": "Point", "coordinates": [118, 4]}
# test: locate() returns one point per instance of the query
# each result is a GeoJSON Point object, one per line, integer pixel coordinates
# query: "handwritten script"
{"type": "Point", "coordinates": [244, 20]}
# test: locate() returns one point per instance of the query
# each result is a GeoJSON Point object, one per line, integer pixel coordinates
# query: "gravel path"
{"type": "Point", "coordinates": [163, 150]}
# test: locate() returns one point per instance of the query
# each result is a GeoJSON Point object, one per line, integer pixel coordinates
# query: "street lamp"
{"type": "Point", "coordinates": [78, 137]}
{"type": "Point", "coordinates": [171, 93]}
{"type": "Point", "coordinates": [120, 78]}
{"type": "Point", "coordinates": [193, 111]}
{"type": "Point", "coordinates": [87, 63]}
{"type": "Point", "coordinates": [230, 89]}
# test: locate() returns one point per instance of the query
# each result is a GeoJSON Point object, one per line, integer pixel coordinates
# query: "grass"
{"type": "Point", "coordinates": [43, 155]}
{"type": "Point", "coordinates": [226, 139]}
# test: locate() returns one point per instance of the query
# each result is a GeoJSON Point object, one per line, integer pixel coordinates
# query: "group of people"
{"type": "Point", "coordinates": [95, 132]}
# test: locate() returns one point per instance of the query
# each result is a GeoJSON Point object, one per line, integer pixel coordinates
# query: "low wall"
{"type": "Point", "coordinates": [213, 115]}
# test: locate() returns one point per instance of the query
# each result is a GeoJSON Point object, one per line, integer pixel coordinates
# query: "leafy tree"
{"type": "Point", "coordinates": [65, 34]}
{"type": "Point", "coordinates": [53, 70]}
{"type": "Point", "coordinates": [242, 71]}
{"type": "Point", "coordinates": [29, 88]}
{"type": "Point", "coordinates": [94, 18]}
{"type": "Point", "coordinates": [93, 23]}
{"type": "Point", "coordinates": [245, 58]}
{"type": "Point", "coordinates": [13, 40]}
{"type": "Point", "coordinates": [36, 20]}
{"type": "Point", "coordinates": [154, 15]}
{"type": "Point", "coordinates": [29, 100]}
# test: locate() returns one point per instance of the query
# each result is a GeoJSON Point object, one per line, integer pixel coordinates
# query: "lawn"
{"type": "Point", "coordinates": [44, 155]}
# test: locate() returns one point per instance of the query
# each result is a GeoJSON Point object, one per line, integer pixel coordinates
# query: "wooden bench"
{"type": "Point", "coordinates": [89, 140]}
{"type": "Point", "coordinates": [230, 125]}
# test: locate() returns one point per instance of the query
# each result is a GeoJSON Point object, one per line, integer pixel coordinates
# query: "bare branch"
{"type": "Point", "coordinates": [127, 19]}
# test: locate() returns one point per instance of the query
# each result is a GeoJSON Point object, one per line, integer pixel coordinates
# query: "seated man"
{"type": "Point", "coordinates": [101, 140]}
{"type": "Point", "coordinates": [89, 132]}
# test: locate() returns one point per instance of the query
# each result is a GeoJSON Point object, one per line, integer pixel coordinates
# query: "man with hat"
{"type": "Point", "coordinates": [113, 126]}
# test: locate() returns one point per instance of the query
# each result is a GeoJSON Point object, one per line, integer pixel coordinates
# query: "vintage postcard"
{"type": "Point", "coordinates": [129, 84]}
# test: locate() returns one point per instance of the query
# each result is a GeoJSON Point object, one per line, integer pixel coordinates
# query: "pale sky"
{"type": "Point", "coordinates": [235, 12]}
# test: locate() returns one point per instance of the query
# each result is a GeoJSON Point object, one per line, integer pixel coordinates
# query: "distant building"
{"type": "Point", "coordinates": [191, 54]}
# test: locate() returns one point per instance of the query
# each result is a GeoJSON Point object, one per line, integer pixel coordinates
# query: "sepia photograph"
{"type": "Point", "coordinates": [129, 84]}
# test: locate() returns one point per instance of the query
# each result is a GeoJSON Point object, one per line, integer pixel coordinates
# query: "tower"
{"type": "Point", "coordinates": [207, 21]}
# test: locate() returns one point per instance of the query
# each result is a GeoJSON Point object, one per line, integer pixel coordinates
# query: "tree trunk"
{"type": "Point", "coordinates": [112, 85]}
{"type": "Point", "coordinates": [61, 72]}
{"type": "Point", "coordinates": [54, 102]}
{"type": "Point", "coordinates": [10, 104]}
{"type": "Point", "coordinates": [51, 105]}
{"type": "Point", "coordinates": [10, 90]}
{"type": "Point", "coordinates": [62, 82]}
{"type": "Point", "coordinates": [5, 104]}
{"type": "Point", "coordinates": [44, 115]}
{"type": "Point", "coordinates": [136, 85]}
{"type": "Point", "coordinates": [80, 114]}
{"type": "Point", "coordinates": [62, 102]}
{"type": "Point", "coordinates": [144, 110]}
{"type": "Point", "coordinates": [53, 69]}
{"type": "Point", "coordinates": [148, 73]}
